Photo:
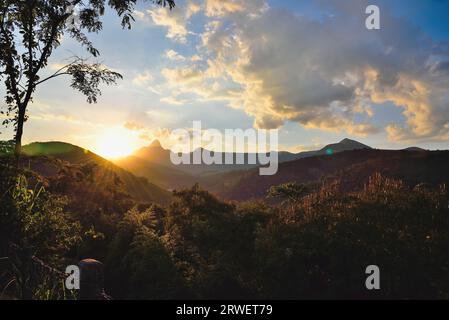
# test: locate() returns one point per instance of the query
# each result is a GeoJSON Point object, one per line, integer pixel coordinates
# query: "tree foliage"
{"type": "Point", "coordinates": [33, 223]}
{"type": "Point", "coordinates": [291, 191]}
{"type": "Point", "coordinates": [30, 30]}
{"type": "Point", "coordinates": [313, 246]}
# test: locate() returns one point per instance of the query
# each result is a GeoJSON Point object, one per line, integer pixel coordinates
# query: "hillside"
{"type": "Point", "coordinates": [41, 158]}
{"type": "Point", "coordinates": [352, 168]}
{"type": "Point", "coordinates": [153, 162]}
{"type": "Point", "coordinates": [349, 161]}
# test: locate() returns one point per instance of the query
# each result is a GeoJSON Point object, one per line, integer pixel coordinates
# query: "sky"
{"type": "Point", "coordinates": [309, 68]}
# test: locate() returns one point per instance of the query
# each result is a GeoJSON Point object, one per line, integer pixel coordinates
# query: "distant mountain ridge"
{"type": "Point", "coordinates": [414, 149]}
{"type": "Point", "coordinates": [349, 160]}
{"type": "Point", "coordinates": [351, 168]}
{"type": "Point", "coordinates": [343, 145]}
{"type": "Point", "coordinates": [138, 187]}
{"type": "Point", "coordinates": [153, 162]}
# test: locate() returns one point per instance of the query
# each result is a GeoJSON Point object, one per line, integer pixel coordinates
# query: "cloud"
{"type": "Point", "coordinates": [146, 134]}
{"type": "Point", "coordinates": [139, 15]}
{"type": "Point", "coordinates": [325, 74]}
{"type": "Point", "coordinates": [161, 134]}
{"type": "Point", "coordinates": [149, 123]}
{"type": "Point", "coordinates": [220, 8]}
{"type": "Point", "coordinates": [192, 8]}
{"type": "Point", "coordinates": [174, 56]}
{"type": "Point", "coordinates": [173, 100]}
{"type": "Point", "coordinates": [143, 79]}
{"type": "Point", "coordinates": [133, 126]}
{"type": "Point", "coordinates": [303, 148]}
{"type": "Point", "coordinates": [183, 75]}
{"type": "Point", "coordinates": [146, 80]}
{"type": "Point", "coordinates": [175, 20]}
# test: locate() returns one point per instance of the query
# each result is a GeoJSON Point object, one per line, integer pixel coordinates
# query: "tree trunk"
{"type": "Point", "coordinates": [19, 131]}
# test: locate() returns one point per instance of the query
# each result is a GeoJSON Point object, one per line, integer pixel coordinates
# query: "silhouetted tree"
{"type": "Point", "coordinates": [29, 32]}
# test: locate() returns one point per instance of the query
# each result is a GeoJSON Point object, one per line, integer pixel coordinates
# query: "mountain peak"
{"type": "Point", "coordinates": [155, 144]}
{"type": "Point", "coordinates": [347, 140]}
{"type": "Point", "coordinates": [353, 143]}
{"type": "Point", "coordinates": [344, 145]}
{"type": "Point", "coordinates": [154, 153]}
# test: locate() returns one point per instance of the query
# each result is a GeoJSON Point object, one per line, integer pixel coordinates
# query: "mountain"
{"type": "Point", "coordinates": [154, 153]}
{"type": "Point", "coordinates": [283, 156]}
{"type": "Point", "coordinates": [153, 162]}
{"type": "Point", "coordinates": [41, 156]}
{"type": "Point", "coordinates": [168, 177]}
{"type": "Point", "coordinates": [343, 145]}
{"type": "Point", "coordinates": [349, 161]}
{"type": "Point", "coordinates": [414, 149]}
{"type": "Point", "coordinates": [352, 168]}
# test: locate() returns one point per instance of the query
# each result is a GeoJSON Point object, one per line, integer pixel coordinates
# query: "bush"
{"type": "Point", "coordinates": [33, 223]}
{"type": "Point", "coordinates": [139, 266]}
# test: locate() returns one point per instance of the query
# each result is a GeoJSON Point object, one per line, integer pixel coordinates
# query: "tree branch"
{"type": "Point", "coordinates": [30, 38]}
{"type": "Point", "coordinates": [10, 61]}
{"type": "Point", "coordinates": [58, 72]}
{"type": "Point", "coordinates": [42, 59]}
{"type": "Point", "coordinates": [51, 77]}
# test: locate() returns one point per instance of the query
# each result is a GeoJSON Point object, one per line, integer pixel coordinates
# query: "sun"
{"type": "Point", "coordinates": [115, 143]}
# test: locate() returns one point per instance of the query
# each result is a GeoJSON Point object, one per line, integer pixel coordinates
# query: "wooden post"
{"type": "Point", "coordinates": [92, 280]}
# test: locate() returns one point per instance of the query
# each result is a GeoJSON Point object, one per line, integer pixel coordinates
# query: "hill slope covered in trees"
{"type": "Point", "coordinates": [351, 168]}
{"type": "Point", "coordinates": [52, 159]}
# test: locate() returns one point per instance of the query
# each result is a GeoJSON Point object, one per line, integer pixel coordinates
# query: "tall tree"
{"type": "Point", "coordinates": [30, 30]}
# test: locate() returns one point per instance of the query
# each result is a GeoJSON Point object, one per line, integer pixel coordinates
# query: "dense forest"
{"type": "Point", "coordinates": [298, 243]}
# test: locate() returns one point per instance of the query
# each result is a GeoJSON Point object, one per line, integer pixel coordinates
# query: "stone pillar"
{"type": "Point", "coordinates": [92, 280]}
